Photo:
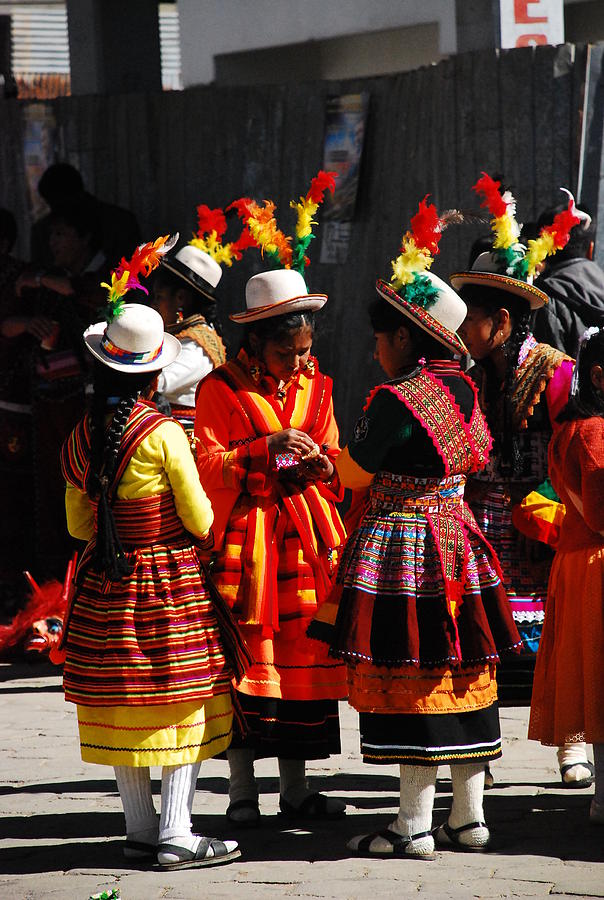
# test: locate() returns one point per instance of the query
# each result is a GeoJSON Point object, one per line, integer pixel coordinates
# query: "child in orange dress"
{"type": "Point", "coordinates": [566, 704]}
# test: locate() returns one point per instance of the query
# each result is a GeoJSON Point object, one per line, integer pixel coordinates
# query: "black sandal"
{"type": "Point", "coordinates": [251, 805]}
{"type": "Point", "coordinates": [400, 846]}
{"type": "Point", "coordinates": [190, 859]}
{"type": "Point", "coordinates": [449, 837]}
{"type": "Point", "coordinates": [312, 807]}
{"type": "Point", "coordinates": [577, 785]}
{"type": "Point", "coordinates": [138, 849]}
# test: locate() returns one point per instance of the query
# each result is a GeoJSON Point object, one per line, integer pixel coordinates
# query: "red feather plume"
{"type": "Point", "coordinates": [493, 200]}
{"type": "Point", "coordinates": [323, 181]}
{"type": "Point", "coordinates": [426, 227]}
{"type": "Point", "coordinates": [209, 220]}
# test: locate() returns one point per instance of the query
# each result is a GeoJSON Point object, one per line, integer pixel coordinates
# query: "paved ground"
{"type": "Point", "coordinates": [61, 827]}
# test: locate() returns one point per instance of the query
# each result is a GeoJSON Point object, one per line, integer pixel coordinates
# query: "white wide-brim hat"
{"type": "Point", "coordinates": [134, 341]}
{"type": "Point", "coordinates": [486, 271]}
{"type": "Point", "coordinates": [277, 293]}
{"type": "Point", "coordinates": [441, 319]}
{"type": "Point", "coordinates": [197, 268]}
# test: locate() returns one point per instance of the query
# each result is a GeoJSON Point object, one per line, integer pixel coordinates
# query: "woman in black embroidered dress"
{"type": "Point", "coordinates": [422, 613]}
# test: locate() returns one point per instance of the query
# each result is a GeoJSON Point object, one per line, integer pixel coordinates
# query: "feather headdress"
{"type": "Point", "coordinates": [211, 228]}
{"type": "Point", "coordinates": [419, 246]}
{"type": "Point", "coordinates": [126, 276]}
{"type": "Point", "coordinates": [518, 261]}
{"type": "Point", "coordinates": [285, 252]}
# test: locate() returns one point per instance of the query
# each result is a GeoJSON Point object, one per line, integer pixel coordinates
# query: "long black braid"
{"type": "Point", "coordinates": [109, 556]}
{"type": "Point", "coordinates": [511, 457]}
{"type": "Point", "coordinates": [490, 300]}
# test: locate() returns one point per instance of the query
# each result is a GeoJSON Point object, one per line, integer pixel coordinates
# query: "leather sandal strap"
{"type": "Point", "coordinates": [453, 832]}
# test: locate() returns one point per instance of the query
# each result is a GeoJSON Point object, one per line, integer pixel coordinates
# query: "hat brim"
{"type": "Point", "coordinates": [309, 302]}
{"type": "Point", "coordinates": [169, 352]}
{"type": "Point", "coordinates": [535, 297]}
{"type": "Point", "coordinates": [191, 278]}
{"type": "Point", "coordinates": [420, 317]}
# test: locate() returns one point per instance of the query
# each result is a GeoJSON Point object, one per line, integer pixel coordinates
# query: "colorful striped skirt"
{"type": "Point", "coordinates": [171, 735]}
{"type": "Point", "coordinates": [417, 582]}
{"type": "Point", "coordinates": [152, 638]}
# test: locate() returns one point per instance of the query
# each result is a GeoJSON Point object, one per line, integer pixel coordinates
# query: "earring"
{"type": "Point", "coordinates": [179, 316]}
{"type": "Point", "coordinates": [256, 373]}
{"type": "Point", "coordinates": [310, 367]}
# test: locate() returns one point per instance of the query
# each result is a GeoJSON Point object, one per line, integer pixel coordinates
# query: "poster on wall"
{"type": "Point", "coordinates": [527, 23]}
{"type": "Point", "coordinates": [346, 121]}
{"type": "Point", "coordinates": [39, 138]}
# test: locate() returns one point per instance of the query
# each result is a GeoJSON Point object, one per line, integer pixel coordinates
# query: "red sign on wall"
{"type": "Point", "coordinates": [526, 23]}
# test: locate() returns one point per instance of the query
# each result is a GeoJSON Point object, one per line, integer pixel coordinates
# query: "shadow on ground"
{"type": "Point", "coordinates": [553, 825]}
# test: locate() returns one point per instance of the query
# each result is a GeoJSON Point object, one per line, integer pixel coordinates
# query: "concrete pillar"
{"type": "Point", "coordinates": [114, 46]}
{"type": "Point", "coordinates": [477, 24]}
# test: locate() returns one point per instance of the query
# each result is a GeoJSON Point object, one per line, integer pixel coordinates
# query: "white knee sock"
{"type": "Point", "coordinates": [177, 791]}
{"type": "Point", "coordinates": [242, 783]}
{"type": "Point", "coordinates": [468, 792]}
{"type": "Point", "coordinates": [599, 767]}
{"type": "Point", "coordinates": [134, 786]}
{"type": "Point", "coordinates": [418, 787]}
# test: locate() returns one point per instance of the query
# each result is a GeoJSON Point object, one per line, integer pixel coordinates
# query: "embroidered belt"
{"type": "Point", "coordinates": [391, 493]}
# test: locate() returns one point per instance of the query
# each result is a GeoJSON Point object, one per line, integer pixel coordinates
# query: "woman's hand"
{"type": "Point", "coordinates": [320, 468]}
{"type": "Point", "coordinates": [290, 441]}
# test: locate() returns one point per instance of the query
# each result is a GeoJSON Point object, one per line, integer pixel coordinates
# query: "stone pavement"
{"type": "Point", "coordinates": [61, 827]}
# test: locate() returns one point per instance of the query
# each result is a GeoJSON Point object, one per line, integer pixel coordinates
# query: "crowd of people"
{"type": "Point", "coordinates": [222, 606]}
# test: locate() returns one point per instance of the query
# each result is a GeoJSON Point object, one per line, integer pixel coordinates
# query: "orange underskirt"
{"type": "Point", "coordinates": [412, 690]}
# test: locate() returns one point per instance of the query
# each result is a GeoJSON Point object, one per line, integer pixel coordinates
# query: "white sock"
{"type": "Point", "coordinates": [418, 787]}
{"type": "Point", "coordinates": [134, 786]}
{"type": "Point", "coordinates": [242, 783]}
{"type": "Point", "coordinates": [573, 755]}
{"type": "Point", "coordinates": [177, 791]}
{"type": "Point", "coordinates": [468, 792]}
{"type": "Point", "coordinates": [599, 767]}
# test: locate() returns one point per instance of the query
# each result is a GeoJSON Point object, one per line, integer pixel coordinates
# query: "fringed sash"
{"type": "Point", "coordinates": [531, 379]}
{"type": "Point", "coordinates": [196, 329]}
{"type": "Point", "coordinates": [309, 507]}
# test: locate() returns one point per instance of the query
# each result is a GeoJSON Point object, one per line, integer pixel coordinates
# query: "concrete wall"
{"type": "Point", "coordinates": [211, 28]}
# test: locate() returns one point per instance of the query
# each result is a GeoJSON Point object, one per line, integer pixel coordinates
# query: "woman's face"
{"type": "Point", "coordinates": [283, 358]}
{"type": "Point", "coordinates": [478, 332]}
{"type": "Point", "coordinates": [68, 248]}
{"type": "Point", "coordinates": [387, 353]}
{"type": "Point", "coordinates": [166, 303]}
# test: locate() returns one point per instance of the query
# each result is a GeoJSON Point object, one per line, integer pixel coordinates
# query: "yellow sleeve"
{"type": "Point", "coordinates": [191, 501]}
{"type": "Point", "coordinates": [350, 473]}
{"type": "Point", "coordinates": [80, 513]}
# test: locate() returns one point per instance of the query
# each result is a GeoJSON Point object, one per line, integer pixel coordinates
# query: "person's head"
{"type": "Point", "coordinates": [399, 342]}
{"type": "Point", "coordinates": [587, 391]}
{"type": "Point", "coordinates": [281, 343]}
{"type": "Point", "coordinates": [184, 284]}
{"type": "Point", "coordinates": [60, 183]}
{"type": "Point", "coordinates": [175, 299]}
{"type": "Point", "coordinates": [580, 242]}
{"type": "Point", "coordinates": [8, 231]}
{"type": "Point", "coordinates": [494, 315]}
{"type": "Point", "coordinates": [75, 233]}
